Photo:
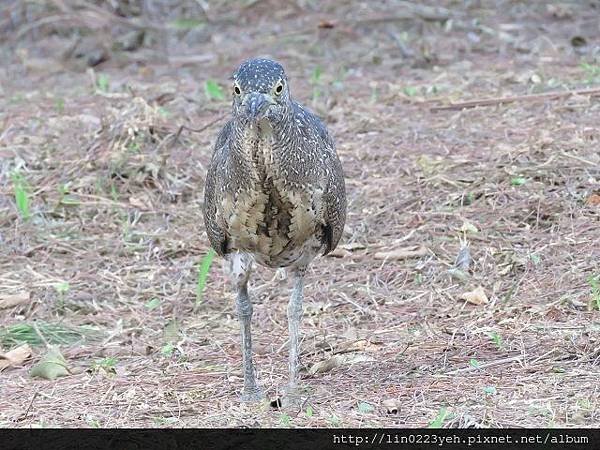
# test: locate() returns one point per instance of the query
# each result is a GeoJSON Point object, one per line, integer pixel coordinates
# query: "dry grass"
{"type": "Point", "coordinates": [115, 233]}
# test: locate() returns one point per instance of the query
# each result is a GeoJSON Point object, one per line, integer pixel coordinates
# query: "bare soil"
{"type": "Point", "coordinates": [116, 195]}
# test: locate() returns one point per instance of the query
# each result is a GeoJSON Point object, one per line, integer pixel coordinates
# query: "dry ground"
{"type": "Point", "coordinates": [116, 233]}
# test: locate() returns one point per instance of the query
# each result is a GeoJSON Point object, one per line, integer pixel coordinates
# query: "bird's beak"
{"type": "Point", "coordinates": [256, 105]}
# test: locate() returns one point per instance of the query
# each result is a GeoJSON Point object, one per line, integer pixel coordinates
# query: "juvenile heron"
{"type": "Point", "coordinates": [274, 195]}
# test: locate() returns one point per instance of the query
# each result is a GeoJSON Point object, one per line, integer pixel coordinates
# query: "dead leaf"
{"type": "Point", "coordinates": [51, 366]}
{"type": "Point", "coordinates": [392, 406]}
{"type": "Point", "coordinates": [10, 300]}
{"type": "Point", "coordinates": [458, 274]}
{"type": "Point", "coordinates": [560, 11]}
{"type": "Point", "coordinates": [402, 253]}
{"type": "Point", "coordinates": [326, 24]}
{"type": "Point", "coordinates": [15, 357]}
{"type": "Point", "coordinates": [535, 79]}
{"type": "Point", "coordinates": [140, 202]}
{"type": "Point", "coordinates": [475, 297]}
{"type": "Point", "coordinates": [316, 308]}
{"type": "Point", "coordinates": [340, 253]}
{"type": "Point", "coordinates": [468, 227]}
{"type": "Point", "coordinates": [337, 361]}
{"type": "Point", "coordinates": [578, 41]}
{"type": "Point", "coordinates": [428, 165]}
{"type": "Point", "coordinates": [343, 251]}
{"type": "Point", "coordinates": [353, 246]}
{"type": "Point", "coordinates": [327, 365]}
{"type": "Point", "coordinates": [593, 200]}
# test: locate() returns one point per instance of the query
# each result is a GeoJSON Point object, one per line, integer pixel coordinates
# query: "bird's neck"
{"type": "Point", "coordinates": [261, 129]}
{"type": "Point", "coordinates": [266, 130]}
{"type": "Point", "coordinates": [254, 148]}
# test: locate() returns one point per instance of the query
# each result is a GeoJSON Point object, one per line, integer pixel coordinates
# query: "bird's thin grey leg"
{"type": "Point", "coordinates": [241, 267]}
{"type": "Point", "coordinates": [294, 312]}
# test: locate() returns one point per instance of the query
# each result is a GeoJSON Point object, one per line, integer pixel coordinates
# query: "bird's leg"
{"type": "Point", "coordinates": [294, 313]}
{"type": "Point", "coordinates": [244, 308]}
{"type": "Point", "coordinates": [241, 267]}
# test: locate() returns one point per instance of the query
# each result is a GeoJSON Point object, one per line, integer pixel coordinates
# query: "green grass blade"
{"type": "Point", "coordinates": [103, 83]}
{"type": "Point", "coordinates": [439, 420]}
{"type": "Point", "coordinates": [595, 285]}
{"type": "Point", "coordinates": [56, 334]}
{"type": "Point", "coordinates": [518, 181]}
{"type": "Point", "coordinates": [315, 77]}
{"type": "Point", "coordinates": [184, 24]}
{"type": "Point", "coordinates": [213, 91]}
{"type": "Point", "coordinates": [203, 269]}
{"type": "Point", "coordinates": [21, 195]}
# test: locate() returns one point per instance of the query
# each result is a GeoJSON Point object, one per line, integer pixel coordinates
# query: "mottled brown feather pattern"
{"type": "Point", "coordinates": [273, 187]}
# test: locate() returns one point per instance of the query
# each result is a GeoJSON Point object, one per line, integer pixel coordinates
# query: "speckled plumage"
{"type": "Point", "coordinates": [274, 194]}
{"type": "Point", "coordinates": [274, 188]}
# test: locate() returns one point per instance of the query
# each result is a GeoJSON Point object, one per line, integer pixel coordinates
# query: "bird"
{"type": "Point", "coordinates": [274, 196]}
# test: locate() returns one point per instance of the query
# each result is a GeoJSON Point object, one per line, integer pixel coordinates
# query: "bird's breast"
{"type": "Point", "coordinates": [269, 215]}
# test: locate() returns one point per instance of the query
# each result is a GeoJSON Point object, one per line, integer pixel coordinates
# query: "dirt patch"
{"type": "Point", "coordinates": [114, 233]}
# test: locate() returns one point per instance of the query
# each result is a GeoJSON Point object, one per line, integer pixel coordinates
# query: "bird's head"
{"type": "Point", "coordinates": [260, 91]}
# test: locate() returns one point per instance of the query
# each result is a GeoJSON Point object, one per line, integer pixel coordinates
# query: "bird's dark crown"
{"type": "Point", "coordinates": [258, 75]}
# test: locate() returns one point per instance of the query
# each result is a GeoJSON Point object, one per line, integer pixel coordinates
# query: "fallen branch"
{"type": "Point", "coordinates": [515, 98]}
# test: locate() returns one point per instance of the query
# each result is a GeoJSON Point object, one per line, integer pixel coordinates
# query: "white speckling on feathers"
{"type": "Point", "coordinates": [274, 190]}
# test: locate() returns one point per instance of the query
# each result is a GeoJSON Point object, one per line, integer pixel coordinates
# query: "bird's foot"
{"type": "Point", "coordinates": [293, 397]}
{"type": "Point", "coordinates": [252, 394]}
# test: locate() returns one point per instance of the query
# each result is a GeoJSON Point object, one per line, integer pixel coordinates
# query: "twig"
{"type": "Point", "coordinates": [39, 23]}
{"type": "Point", "coordinates": [411, 11]}
{"type": "Point", "coordinates": [33, 397]}
{"type": "Point", "coordinates": [484, 365]}
{"type": "Point", "coordinates": [5, 132]}
{"type": "Point", "coordinates": [198, 130]}
{"type": "Point", "coordinates": [406, 237]}
{"type": "Point", "coordinates": [42, 337]}
{"type": "Point", "coordinates": [515, 98]}
{"type": "Point", "coordinates": [580, 159]}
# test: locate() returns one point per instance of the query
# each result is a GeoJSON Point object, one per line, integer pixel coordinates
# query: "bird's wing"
{"type": "Point", "coordinates": [212, 192]}
{"type": "Point", "coordinates": [334, 196]}
{"type": "Point", "coordinates": [335, 202]}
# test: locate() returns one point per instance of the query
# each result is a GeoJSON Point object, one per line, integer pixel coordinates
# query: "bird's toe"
{"type": "Point", "coordinates": [292, 400]}
{"type": "Point", "coordinates": [294, 397]}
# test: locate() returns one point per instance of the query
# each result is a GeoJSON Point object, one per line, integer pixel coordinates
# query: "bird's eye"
{"type": "Point", "coordinates": [236, 90]}
{"type": "Point", "coordinates": [279, 88]}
